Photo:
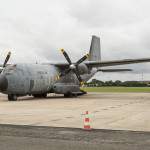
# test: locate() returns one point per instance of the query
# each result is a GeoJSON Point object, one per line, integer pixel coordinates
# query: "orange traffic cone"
{"type": "Point", "coordinates": [87, 121]}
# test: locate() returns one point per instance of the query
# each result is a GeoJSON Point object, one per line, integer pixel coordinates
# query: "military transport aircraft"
{"type": "Point", "coordinates": [62, 78]}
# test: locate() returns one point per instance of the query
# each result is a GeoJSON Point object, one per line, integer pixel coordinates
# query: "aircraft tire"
{"type": "Point", "coordinates": [67, 95]}
{"type": "Point", "coordinates": [12, 97]}
{"type": "Point", "coordinates": [44, 95]}
{"type": "Point", "coordinates": [40, 95]}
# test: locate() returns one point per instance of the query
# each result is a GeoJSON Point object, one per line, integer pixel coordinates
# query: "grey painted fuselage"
{"type": "Point", "coordinates": [30, 79]}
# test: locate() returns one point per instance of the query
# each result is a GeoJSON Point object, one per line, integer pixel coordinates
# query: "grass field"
{"type": "Point", "coordinates": [118, 89]}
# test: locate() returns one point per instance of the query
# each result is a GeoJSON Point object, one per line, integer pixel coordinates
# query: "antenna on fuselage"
{"type": "Point", "coordinates": [36, 62]}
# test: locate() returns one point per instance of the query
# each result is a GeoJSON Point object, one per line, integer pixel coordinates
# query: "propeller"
{"type": "Point", "coordinates": [74, 66]}
{"type": "Point", "coordinates": [5, 62]}
{"type": "Point", "coordinates": [6, 59]}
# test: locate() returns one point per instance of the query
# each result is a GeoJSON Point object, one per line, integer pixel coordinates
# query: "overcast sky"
{"type": "Point", "coordinates": [35, 30]}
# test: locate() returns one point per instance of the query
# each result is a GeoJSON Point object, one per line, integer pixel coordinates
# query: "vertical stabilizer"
{"type": "Point", "coordinates": [95, 50]}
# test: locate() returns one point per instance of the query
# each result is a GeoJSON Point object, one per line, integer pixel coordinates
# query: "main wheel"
{"type": "Point", "coordinates": [44, 95]}
{"type": "Point", "coordinates": [40, 95]}
{"type": "Point", "coordinates": [12, 97]}
{"type": "Point", "coordinates": [67, 95]}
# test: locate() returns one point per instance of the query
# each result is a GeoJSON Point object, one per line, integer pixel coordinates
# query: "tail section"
{"type": "Point", "coordinates": [95, 49]}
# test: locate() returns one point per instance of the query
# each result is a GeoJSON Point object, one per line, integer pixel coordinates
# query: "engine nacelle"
{"type": "Point", "coordinates": [83, 69]}
{"type": "Point", "coordinates": [63, 88]}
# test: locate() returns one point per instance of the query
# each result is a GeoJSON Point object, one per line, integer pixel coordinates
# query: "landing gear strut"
{"type": "Point", "coordinates": [12, 97]}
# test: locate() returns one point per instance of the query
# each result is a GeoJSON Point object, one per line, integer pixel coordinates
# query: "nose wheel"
{"type": "Point", "coordinates": [12, 97]}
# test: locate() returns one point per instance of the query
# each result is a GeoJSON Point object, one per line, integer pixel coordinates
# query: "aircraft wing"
{"type": "Point", "coordinates": [116, 62]}
{"type": "Point", "coordinates": [91, 64]}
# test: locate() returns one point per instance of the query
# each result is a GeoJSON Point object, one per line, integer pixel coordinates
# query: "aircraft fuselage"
{"type": "Point", "coordinates": [23, 79]}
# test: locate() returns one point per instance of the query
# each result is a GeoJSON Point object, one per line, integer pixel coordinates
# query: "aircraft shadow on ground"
{"type": "Point", "coordinates": [47, 98]}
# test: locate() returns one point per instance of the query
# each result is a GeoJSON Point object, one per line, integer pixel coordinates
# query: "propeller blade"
{"type": "Point", "coordinates": [7, 59]}
{"type": "Point", "coordinates": [82, 59]}
{"type": "Point", "coordinates": [78, 76]}
{"type": "Point", "coordinates": [66, 56]}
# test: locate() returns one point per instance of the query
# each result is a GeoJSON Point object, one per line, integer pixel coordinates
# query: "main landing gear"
{"type": "Point", "coordinates": [40, 95]}
{"type": "Point", "coordinates": [12, 97]}
{"type": "Point", "coordinates": [75, 94]}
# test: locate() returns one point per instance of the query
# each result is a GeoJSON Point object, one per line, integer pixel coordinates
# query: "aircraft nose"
{"type": "Point", "coordinates": [3, 83]}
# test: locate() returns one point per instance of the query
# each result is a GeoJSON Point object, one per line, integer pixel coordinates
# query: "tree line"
{"type": "Point", "coordinates": [98, 83]}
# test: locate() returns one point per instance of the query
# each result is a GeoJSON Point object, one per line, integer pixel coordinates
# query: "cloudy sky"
{"type": "Point", "coordinates": [35, 30]}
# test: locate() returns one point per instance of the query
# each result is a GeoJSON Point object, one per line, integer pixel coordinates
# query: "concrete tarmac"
{"type": "Point", "coordinates": [52, 138]}
{"type": "Point", "coordinates": [115, 111]}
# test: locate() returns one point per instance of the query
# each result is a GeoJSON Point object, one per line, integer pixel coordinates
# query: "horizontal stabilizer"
{"type": "Point", "coordinates": [114, 70]}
